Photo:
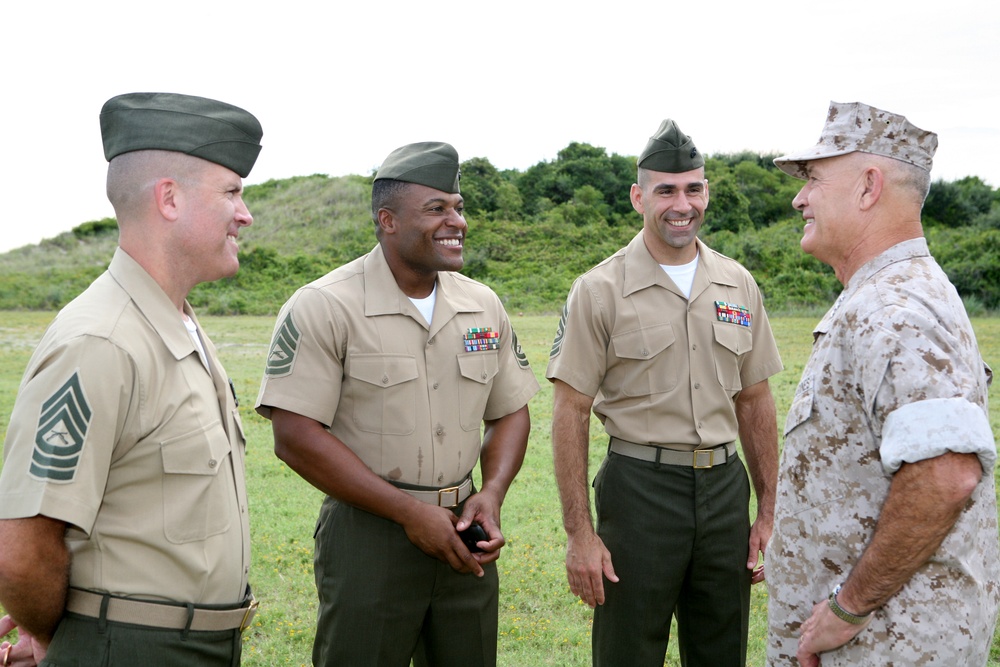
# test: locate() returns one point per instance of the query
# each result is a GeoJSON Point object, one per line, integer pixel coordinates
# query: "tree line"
{"type": "Point", "coordinates": [531, 233]}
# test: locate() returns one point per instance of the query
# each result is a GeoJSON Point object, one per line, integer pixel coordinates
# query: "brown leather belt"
{"type": "Point", "coordinates": [451, 496]}
{"type": "Point", "coordinates": [699, 458]}
{"type": "Point", "coordinates": [156, 615]}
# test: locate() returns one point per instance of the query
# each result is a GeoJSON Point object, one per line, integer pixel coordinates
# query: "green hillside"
{"type": "Point", "coordinates": [530, 234]}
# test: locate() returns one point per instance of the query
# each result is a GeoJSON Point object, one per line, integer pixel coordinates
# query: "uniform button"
{"type": "Point", "coordinates": [430, 342]}
{"type": "Point", "coordinates": [435, 385]}
{"type": "Point", "coordinates": [697, 385]}
{"type": "Point", "coordinates": [212, 463]}
{"type": "Point", "coordinates": [439, 430]}
{"type": "Point", "coordinates": [694, 347]}
{"type": "Point", "coordinates": [645, 353]}
{"type": "Point", "coordinates": [484, 375]}
{"type": "Point", "coordinates": [699, 424]}
{"type": "Point", "coordinates": [385, 379]}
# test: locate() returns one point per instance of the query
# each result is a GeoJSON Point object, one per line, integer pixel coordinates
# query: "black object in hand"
{"type": "Point", "coordinates": [473, 534]}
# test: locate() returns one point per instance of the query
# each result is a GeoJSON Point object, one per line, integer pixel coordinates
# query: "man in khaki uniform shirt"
{"type": "Point", "coordinates": [669, 343]}
{"type": "Point", "coordinates": [379, 378]}
{"type": "Point", "coordinates": [885, 548]}
{"type": "Point", "coordinates": [122, 496]}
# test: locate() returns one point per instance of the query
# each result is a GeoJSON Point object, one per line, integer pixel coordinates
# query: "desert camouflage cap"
{"type": "Point", "coordinates": [430, 163]}
{"type": "Point", "coordinates": [211, 130]}
{"type": "Point", "coordinates": [670, 151]}
{"type": "Point", "coordinates": [853, 126]}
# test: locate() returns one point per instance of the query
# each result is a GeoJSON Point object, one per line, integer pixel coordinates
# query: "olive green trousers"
{"type": "Point", "coordinates": [679, 539]}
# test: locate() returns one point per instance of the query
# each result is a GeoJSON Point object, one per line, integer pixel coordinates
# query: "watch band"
{"type": "Point", "coordinates": [843, 614]}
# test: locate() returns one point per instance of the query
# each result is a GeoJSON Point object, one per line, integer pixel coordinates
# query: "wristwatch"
{"type": "Point", "coordinates": [843, 614]}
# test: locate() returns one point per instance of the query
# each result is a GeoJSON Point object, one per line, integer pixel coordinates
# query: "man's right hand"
{"type": "Point", "coordinates": [588, 562]}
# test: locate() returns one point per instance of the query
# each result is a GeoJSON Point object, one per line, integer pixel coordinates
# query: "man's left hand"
{"type": "Point", "coordinates": [823, 631]}
{"type": "Point", "coordinates": [483, 509]}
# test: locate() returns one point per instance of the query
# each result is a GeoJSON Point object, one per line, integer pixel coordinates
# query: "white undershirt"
{"type": "Point", "coordinates": [426, 305]}
{"type": "Point", "coordinates": [193, 330]}
{"type": "Point", "coordinates": [683, 275]}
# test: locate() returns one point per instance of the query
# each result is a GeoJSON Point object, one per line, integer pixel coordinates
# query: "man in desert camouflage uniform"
{"type": "Point", "coordinates": [885, 546]}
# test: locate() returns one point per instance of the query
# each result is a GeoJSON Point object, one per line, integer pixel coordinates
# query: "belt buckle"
{"type": "Point", "coordinates": [450, 489]}
{"type": "Point", "coordinates": [248, 615]}
{"type": "Point", "coordinates": [711, 458]}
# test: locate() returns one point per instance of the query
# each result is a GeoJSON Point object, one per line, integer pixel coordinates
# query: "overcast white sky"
{"type": "Point", "coordinates": [338, 85]}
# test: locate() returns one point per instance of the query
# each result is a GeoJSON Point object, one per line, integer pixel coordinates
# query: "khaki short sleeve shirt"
{"type": "Point", "coordinates": [896, 344]}
{"type": "Point", "coordinates": [352, 352]}
{"type": "Point", "coordinates": [664, 369]}
{"type": "Point", "coordinates": [120, 430]}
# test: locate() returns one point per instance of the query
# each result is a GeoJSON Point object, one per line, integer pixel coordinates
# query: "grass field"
{"type": "Point", "coordinates": [540, 621]}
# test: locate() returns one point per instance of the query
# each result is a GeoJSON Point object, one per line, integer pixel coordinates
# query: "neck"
{"type": "Point", "coordinates": [176, 287]}
{"type": "Point", "coordinates": [872, 246]}
{"type": "Point", "coordinates": [668, 254]}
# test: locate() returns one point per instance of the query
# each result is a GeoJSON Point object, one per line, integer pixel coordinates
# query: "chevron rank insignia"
{"type": "Point", "coordinates": [61, 433]}
{"type": "Point", "coordinates": [560, 332]}
{"type": "Point", "coordinates": [281, 356]}
{"type": "Point", "coordinates": [522, 358]}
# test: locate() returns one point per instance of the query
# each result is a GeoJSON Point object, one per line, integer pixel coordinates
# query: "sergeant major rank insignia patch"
{"type": "Point", "coordinates": [281, 356]}
{"type": "Point", "coordinates": [61, 433]}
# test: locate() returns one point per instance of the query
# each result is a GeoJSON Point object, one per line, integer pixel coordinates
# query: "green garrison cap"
{"type": "Point", "coordinates": [670, 151]}
{"type": "Point", "coordinates": [429, 163]}
{"type": "Point", "coordinates": [211, 130]}
{"type": "Point", "coordinates": [854, 126]}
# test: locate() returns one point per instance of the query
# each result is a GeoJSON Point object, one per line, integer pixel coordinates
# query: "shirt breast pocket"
{"type": "Point", "coordinates": [196, 498]}
{"type": "Point", "coordinates": [646, 361]}
{"type": "Point", "coordinates": [478, 370]}
{"type": "Point", "coordinates": [732, 342]}
{"type": "Point", "coordinates": [385, 393]}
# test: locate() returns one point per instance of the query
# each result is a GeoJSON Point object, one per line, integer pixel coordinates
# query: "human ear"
{"type": "Point", "coordinates": [635, 195]}
{"type": "Point", "coordinates": [386, 220]}
{"type": "Point", "coordinates": [872, 181]}
{"type": "Point", "coordinates": [166, 193]}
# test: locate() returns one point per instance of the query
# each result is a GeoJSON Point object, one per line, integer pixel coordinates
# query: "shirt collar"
{"type": "Point", "coordinates": [642, 271]}
{"type": "Point", "coordinates": [153, 303]}
{"type": "Point", "coordinates": [901, 252]}
{"type": "Point", "coordinates": [383, 296]}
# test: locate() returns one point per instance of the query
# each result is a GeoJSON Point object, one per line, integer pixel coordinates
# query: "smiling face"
{"type": "Point", "coordinates": [423, 232]}
{"type": "Point", "coordinates": [214, 213]}
{"type": "Point", "coordinates": [673, 209]}
{"type": "Point", "coordinates": [832, 187]}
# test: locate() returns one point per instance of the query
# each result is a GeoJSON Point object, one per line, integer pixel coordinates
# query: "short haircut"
{"type": "Point", "coordinates": [905, 176]}
{"type": "Point", "coordinates": [131, 175]}
{"type": "Point", "coordinates": [385, 193]}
